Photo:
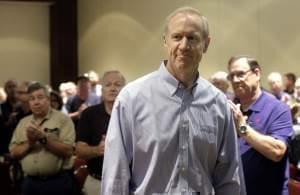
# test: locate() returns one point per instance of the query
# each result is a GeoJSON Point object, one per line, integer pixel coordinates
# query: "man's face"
{"type": "Point", "coordinates": [22, 95]}
{"type": "Point", "coordinates": [39, 103]}
{"type": "Point", "coordinates": [220, 84]}
{"type": "Point", "coordinates": [244, 80]}
{"type": "Point", "coordinates": [288, 83]}
{"type": "Point", "coordinates": [10, 88]}
{"type": "Point", "coordinates": [185, 43]}
{"type": "Point", "coordinates": [83, 88]}
{"type": "Point", "coordinates": [275, 86]}
{"type": "Point", "coordinates": [54, 102]}
{"type": "Point", "coordinates": [94, 79]}
{"type": "Point", "coordinates": [111, 85]}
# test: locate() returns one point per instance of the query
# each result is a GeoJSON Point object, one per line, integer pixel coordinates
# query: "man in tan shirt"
{"type": "Point", "coordinates": [43, 142]}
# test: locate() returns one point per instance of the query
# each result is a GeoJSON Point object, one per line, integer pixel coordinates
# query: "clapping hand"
{"type": "Point", "coordinates": [33, 132]}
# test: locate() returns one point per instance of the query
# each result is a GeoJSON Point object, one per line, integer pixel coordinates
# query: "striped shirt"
{"type": "Point", "coordinates": [166, 139]}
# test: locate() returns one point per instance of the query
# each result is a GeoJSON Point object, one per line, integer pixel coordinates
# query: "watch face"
{"type": "Point", "coordinates": [243, 129]}
{"type": "Point", "coordinates": [43, 140]}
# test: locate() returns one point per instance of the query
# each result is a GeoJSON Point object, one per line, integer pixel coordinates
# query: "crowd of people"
{"type": "Point", "coordinates": [39, 130]}
{"type": "Point", "coordinates": [169, 132]}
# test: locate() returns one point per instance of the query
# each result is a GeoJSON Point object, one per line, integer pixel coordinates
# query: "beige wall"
{"type": "Point", "coordinates": [126, 34]}
{"type": "Point", "coordinates": [24, 41]}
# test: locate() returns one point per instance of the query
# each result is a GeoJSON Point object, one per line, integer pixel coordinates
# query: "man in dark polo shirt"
{"type": "Point", "coordinates": [264, 127]}
{"type": "Point", "coordinates": [84, 98]}
{"type": "Point", "coordinates": [92, 129]}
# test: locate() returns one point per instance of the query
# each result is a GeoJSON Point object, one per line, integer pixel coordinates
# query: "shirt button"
{"type": "Point", "coordinates": [185, 129]}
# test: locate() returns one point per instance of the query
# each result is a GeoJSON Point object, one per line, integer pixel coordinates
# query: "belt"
{"type": "Point", "coordinates": [48, 177]}
{"type": "Point", "coordinates": [96, 176]}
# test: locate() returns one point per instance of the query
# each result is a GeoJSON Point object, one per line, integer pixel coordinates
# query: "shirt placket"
{"type": "Point", "coordinates": [183, 146]}
{"type": "Point", "coordinates": [37, 157]}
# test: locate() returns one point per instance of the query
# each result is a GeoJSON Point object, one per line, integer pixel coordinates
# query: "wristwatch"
{"type": "Point", "coordinates": [43, 140]}
{"type": "Point", "coordinates": [243, 129]}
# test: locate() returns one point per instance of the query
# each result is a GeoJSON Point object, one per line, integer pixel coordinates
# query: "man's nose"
{"type": "Point", "coordinates": [36, 101]}
{"type": "Point", "coordinates": [114, 88]}
{"type": "Point", "coordinates": [183, 44]}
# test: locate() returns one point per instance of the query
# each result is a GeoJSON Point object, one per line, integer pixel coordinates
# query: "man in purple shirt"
{"type": "Point", "coordinates": [264, 127]}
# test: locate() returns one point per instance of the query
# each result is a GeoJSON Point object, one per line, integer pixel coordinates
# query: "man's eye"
{"type": "Point", "coordinates": [176, 37]}
{"type": "Point", "coordinates": [193, 38]}
{"type": "Point", "coordinates": [117, 84]}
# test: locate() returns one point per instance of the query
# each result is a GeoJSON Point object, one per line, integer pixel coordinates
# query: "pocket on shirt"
{"type": "Point", "coordinates": [53, 132]}
{"type": "Point", "coordinates": [208, 133]}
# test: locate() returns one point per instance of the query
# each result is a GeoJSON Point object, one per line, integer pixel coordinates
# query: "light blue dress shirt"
{"type": "Point", "coordinates": [166, 139]}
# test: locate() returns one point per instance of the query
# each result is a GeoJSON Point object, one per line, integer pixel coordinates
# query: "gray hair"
{"type": "Point", "coordinates": [220, 75]}
{"type": "Point", "coordinates": [189, 11]}
{"type": "Point", "coordinates": [275, 76]}
{"type": "Point", "coordinates": [37, 86]}
{"type": "Point", "coordinates": [114, 72]}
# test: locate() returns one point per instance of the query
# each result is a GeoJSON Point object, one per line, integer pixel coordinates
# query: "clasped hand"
{"type": "Point", "coordinates": [34, 133]}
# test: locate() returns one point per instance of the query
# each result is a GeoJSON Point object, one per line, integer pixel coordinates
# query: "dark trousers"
{"type": "Point", "coordinates": [61, 184]}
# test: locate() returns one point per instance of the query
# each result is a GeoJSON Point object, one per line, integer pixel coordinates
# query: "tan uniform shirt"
{"type": "Point", "coordinates": [40, 161]}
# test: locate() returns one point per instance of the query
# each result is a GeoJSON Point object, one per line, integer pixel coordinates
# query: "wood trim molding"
{"type": "Point", "coordinates": [64, 42]}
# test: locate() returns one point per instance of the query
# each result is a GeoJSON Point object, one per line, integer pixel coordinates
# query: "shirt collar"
{"type": "Point", "coordinates": [46, 117]}
{"type": "Point", "coordinates": [49, 113]}
{"type": "Point", "coordinates": [171, 82]}
{"type": "Point", "coordinates": [258, 104]}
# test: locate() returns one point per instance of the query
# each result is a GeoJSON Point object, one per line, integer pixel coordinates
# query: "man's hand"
{"type": "Point", "coordinates": [85, 151]}
{"type": "Point", "coordinates": [239, 118]}
{"type": "Point", "coordinates": [82, 108]}
{"type": "Point", "coordinates": [12, 118]}
{"type": "Point", "coordinates": [101, 145]}
{"type": "Point", "coordinates": [34, 133]}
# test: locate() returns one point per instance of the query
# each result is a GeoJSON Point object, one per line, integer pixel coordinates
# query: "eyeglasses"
{"type": "Point", "coordinates": [241, 75]}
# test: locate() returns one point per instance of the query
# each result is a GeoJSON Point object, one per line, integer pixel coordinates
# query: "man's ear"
{"type": "Point", "coordinates": [257, 72]}
{"type": "Point", "coordinates": [206, 44]}
{"type": "Point", "coordinates": [164, 39]}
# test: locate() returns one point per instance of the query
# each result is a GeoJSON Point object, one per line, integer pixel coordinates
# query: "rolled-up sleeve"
{"type": "Point", "coordinates": [281, 126]}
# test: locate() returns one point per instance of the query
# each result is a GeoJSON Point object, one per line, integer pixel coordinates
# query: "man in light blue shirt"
{"type": "Point", "coordinates": [171, 131]}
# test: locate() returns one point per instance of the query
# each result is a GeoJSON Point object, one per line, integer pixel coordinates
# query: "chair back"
{"type": "Point", "coordinates": [294, 187]}
{"type": "Point", "coordinates": [80, 171]}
